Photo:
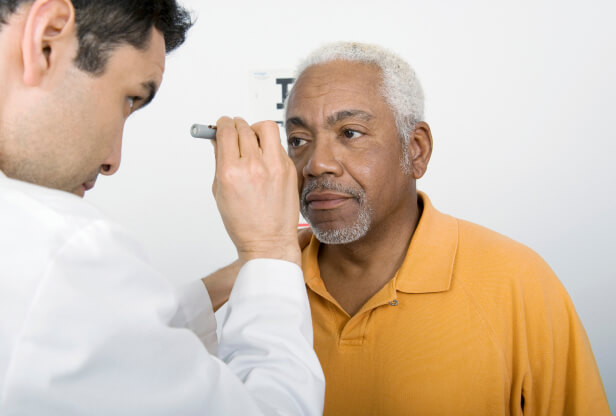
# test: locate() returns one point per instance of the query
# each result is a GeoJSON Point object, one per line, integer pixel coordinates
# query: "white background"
{"type": "Point", "coordinates": [521, 98]}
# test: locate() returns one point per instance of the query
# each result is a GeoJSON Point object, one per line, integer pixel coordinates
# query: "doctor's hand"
{"type": "Point", "coordinates": [256, 190]}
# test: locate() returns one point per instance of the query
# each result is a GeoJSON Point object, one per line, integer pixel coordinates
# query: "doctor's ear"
{"type": "Point", "coordinates": [49, 38]}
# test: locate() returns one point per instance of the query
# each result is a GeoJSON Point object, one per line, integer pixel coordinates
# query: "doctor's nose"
{"type": "Point", "coordinates": [112, 163]}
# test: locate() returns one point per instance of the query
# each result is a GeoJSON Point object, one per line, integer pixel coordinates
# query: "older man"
{"type": "Point", "coordinates": [416, 312]}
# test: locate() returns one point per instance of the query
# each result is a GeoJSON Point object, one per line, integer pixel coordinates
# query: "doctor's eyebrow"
{"type": "Point", "coordinates": [151, 88]}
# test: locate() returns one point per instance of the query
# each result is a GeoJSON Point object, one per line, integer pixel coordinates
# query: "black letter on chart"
{"type": "Point", "coordinates": [285, 82]}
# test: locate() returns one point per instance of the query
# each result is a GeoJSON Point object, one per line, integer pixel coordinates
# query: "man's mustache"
{"type": "Point", "coordinates": [327, 184]}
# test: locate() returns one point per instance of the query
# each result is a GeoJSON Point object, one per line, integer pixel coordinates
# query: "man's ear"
{"type": "Point", "coordinates": [420, 149]}
{"type": "Point", "coordinates": [49, 37]}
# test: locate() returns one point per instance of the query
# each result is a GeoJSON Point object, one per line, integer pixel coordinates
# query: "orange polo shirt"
{"type": "Point", "coordinates": [472, 323]}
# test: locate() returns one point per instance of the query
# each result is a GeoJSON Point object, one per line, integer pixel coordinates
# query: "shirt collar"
{"type": "Point", "coordinates": [428, 265]}
{"type": "Point", "coordinates": [312, 273]}
{"type": "Point", "coordinates": [429, 261]}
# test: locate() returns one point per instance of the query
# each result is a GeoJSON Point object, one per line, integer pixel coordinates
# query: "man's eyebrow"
{"type": "Point", "coordinates": [150, 86]}
{"type": "Point", "coordinates": [344, 114]}
{"type": "Point", "coordinates": [295, 121]}
{"type": "Point", "coordinates": [334, 118]}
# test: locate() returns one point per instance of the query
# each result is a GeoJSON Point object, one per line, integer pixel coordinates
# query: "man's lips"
{"type": "Point", "coordinates": [326, 200]}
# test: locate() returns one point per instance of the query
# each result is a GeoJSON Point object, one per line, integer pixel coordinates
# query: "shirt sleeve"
{"type": "Point", "coordinates": [197, 314]}
{"type": "Point", "coordinates": [563, 377]}
{"type": "Point", "coordinates": [106, 334]}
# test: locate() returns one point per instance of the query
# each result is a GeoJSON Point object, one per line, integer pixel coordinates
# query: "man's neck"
{"type": "Point", "coordinates": [354, 272]}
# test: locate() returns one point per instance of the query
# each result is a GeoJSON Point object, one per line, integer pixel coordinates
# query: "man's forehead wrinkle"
{"type": "Point", "coordinates": [317, 83]}
{"type": "Point", "coordinates": [312, 91]}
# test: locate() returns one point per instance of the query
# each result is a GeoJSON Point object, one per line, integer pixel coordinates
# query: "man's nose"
{"type": "Point", "coordinates": [112, 163]}
{"type": "Point", "coordinates": [323, 160]}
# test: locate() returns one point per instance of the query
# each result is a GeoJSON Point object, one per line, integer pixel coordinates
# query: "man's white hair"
{"type": "Point", "coordinates": [400, 87]}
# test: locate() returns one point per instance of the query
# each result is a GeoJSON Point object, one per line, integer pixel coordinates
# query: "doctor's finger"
{"type": "Point", "coordinates": [268, 133]}
{"type": "Point", "coordinates": [227, 147]}
{"type": "Point", "coordinates": [248, 142]}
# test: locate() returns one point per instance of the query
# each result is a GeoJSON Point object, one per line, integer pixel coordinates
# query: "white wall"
{"type": "Point", "coordinates": [521, 97]}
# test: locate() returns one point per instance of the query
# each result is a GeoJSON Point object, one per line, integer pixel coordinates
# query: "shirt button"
{"type": "Point", "coordinates": [394, 302]}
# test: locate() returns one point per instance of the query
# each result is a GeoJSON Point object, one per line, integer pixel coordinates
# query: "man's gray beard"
{"type": "Point", "coordinates": [341, 235]}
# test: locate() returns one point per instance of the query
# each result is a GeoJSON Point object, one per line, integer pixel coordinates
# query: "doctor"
{"type": "Point", "coordinates": [87, 326]}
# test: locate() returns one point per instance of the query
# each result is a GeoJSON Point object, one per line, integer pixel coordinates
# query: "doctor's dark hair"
{"type": "Point", "coordinates": [103, 25]}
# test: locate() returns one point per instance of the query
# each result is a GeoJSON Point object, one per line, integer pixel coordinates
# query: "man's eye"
{"type": "Point", "coordinates": [296, 142]}
{"type": "Point", "coordinates": [351, 134]}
